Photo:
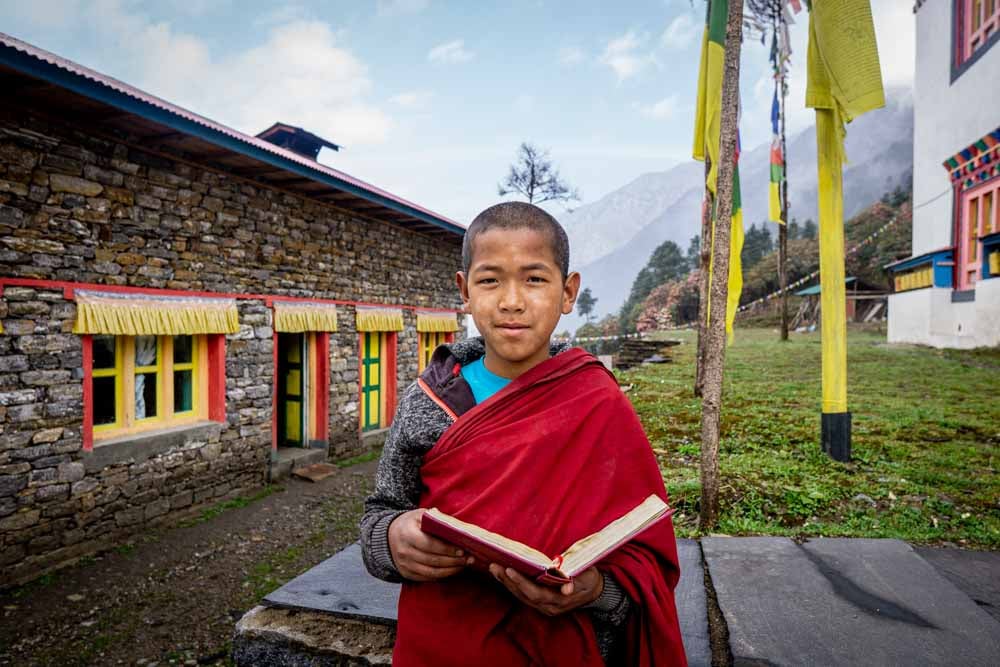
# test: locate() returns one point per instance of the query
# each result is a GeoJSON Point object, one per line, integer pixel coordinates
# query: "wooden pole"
{"type": "Point", "coordinates": [783, 229]}
{"type": "Point", "coordinates": [715, 339]}
{"type": "Point", "coordinates": [705, 250]}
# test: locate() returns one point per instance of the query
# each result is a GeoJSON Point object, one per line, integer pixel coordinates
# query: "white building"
{"type": "Point", "coordinates": [948, 292]}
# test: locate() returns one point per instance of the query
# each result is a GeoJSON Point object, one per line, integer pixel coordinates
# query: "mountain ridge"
{"type": "Point", "coordinates": [629, 222]}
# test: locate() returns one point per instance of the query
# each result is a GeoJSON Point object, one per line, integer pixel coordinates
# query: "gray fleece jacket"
{"type": "Point", "coordinates": [418, 424]}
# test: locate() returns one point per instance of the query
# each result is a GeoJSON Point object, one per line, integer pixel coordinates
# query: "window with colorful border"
{"type": "Point", "coordinates": [427, 342]}
{"type": "Point", "coordinates": [976, 27]}
{"type": "Point", "coordinates": [141, 383]}
{"type": "Point", "coordinates": [977, 217]}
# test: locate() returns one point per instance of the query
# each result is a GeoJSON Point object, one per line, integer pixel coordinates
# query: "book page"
{"type": "Point", "coordinates": [618, 531]}
{"type": "Point", "coordinates": [498, 541]}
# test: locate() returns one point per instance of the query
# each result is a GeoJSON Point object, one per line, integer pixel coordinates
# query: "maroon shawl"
{"type": "Point", "coordinates": [554, 456]}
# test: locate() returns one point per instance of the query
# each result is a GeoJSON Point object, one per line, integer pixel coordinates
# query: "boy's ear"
{"type": "Point", "coordinates": [571, 287]}
{"type": "Point", "coordinates": [463, 289]}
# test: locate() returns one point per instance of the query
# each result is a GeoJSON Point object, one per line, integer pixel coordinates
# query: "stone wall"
{"type": "Point", "coordinates": [79, 208]}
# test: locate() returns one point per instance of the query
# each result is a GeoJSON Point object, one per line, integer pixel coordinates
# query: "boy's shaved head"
{"type": "Point", "coordinates": [518, 215]}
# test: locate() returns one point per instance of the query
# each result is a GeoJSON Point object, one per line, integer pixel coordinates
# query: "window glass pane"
{"type": "Point", "coordinates": [145, 395]}
{"type": "Point", "coordinates": [104, 400]}
{"type": "Point", "coordinates": [104, 351]}
{"type": "Point", "coordinates": [183, 386]}
{"type": "Point", "coordinates": [183, 349]}
{"type": "Point", "coordinates": [145, 350]}
{"type": "Point", "coordinates": [971, 225]}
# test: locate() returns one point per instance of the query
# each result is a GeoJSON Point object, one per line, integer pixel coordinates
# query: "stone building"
{"type": "Point", "coordinates": [948, 291]}
{"type": "Point", "coordinates": [186, 308]}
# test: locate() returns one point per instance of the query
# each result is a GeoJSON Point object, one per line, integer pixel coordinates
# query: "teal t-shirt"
{"type": "Point", "coordinates": [483, 383]}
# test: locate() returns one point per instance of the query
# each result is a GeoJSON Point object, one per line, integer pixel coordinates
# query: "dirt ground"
{"type": "Point", "coordinates": [173, 597]}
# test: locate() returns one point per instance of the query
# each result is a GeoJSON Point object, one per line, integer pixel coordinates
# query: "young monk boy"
{"type": "Point", "coordinates": [531, 440]}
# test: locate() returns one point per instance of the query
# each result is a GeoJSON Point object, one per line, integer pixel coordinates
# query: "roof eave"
{"type": "Point", "coordinates": [96, 90]}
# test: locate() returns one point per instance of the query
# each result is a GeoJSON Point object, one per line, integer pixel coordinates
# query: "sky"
{"type": "Point", "coordinates": [430, 99]}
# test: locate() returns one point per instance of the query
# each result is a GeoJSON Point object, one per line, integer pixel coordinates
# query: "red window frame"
{"type": "Point", "coordinates": [977, 24]}
{"type": "Point", "coordinates": [982, 202]}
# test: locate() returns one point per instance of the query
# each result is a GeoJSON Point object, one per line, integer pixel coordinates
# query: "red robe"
{"type": "Point", "coordinates": [556, 455]}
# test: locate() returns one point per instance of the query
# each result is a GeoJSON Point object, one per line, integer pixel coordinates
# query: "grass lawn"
{"type": "Point", "coordinates": [926, 440]}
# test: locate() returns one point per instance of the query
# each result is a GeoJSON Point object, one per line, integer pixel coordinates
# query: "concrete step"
{"type": "Point", "coordinates": [833, 602]}
{"type": "Point", "coordinates": [287, 458]}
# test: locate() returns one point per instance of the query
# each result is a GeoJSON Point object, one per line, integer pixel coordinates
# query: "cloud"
{"type": "Point", "coordinates": [398, 7]}
{"type": "Point", "coordinates": [297, 73]}
{"type": "Point", "coordinates": [412, 99]}
{"type": "Point", "coordinates": [662, 110]}
{"type": "Point", "coordinates": [895, 32]}
{"type": "Point", "coordinates": [450, 52]}
{"type": "Point", "coordinates": [622, 55]}
{"type": "Point", "coordinates": [681, 32]}
{"type": "Point", "coordinates": [570, 55]}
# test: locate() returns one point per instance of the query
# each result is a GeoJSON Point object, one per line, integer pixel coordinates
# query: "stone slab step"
{"type": "Point", "coordinates": [341, 587]}
{"type": "Point", "coordinates": [315, 472]}
{"type": "Point", "coordinates": [843, 602]}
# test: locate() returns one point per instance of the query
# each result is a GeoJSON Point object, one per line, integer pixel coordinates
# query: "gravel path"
{"type": "Point", "coordinates": [172, 597]}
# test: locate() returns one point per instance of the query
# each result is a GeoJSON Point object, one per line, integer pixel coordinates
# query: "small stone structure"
{"type": "Point", "coordinates": [338, 614]}
{"type": "Point", "coordinates": [107, 191]}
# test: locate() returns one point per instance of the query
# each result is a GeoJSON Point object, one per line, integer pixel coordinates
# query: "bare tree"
{"type": "Point", "coordinates": [532, 176]}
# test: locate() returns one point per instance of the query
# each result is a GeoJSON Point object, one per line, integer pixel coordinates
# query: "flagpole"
{"type": "Point", "coordinates": [715, 340]}
{"type": "Point", "coordinates": [783, 229]}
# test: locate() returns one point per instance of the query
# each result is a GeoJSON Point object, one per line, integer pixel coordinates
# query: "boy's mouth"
{"type": "Point", "coordinates": [512, 326]}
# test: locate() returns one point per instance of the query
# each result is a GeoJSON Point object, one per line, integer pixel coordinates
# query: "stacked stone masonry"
{"type": "Point", "coordinates": [79, 207]}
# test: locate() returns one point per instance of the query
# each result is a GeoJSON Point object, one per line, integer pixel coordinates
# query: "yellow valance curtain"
{"type": "Point", "coordinates": [433, 321]}
{"type": "Point", "coordinates": [146, 315]}
{"type": "Point", "coordinates": [300, 316]}
{"type": "Point", "coordinates": [379, 319]}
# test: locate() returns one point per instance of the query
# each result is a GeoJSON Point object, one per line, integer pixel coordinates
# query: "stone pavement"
{"type": "Point", "coordinates": [822, 602]}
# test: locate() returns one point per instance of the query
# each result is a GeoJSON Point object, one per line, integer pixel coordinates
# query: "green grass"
{"type": "Point", "coordinates": [233, 503]}
{"type": "Point", "coordinates": [926, 439]}
{"type": "Point", "coordinates": [360, 458]}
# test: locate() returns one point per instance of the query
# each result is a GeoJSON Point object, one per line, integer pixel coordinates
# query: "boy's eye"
{"type": "Point", "coordinates": [486, 281]}
{"type": "Point", "coordinates": [536, 279]}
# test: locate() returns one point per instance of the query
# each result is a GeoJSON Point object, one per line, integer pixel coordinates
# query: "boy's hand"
{"type": "Point", "coordinates": [550, 601]}
{"type": "Point", "coordinates": [419, 556]}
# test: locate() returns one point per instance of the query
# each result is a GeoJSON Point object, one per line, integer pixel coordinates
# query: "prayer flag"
{"type": "Point", "coordinates": [707, 136]}
{"type": "Point", "coordinates": [844, 81]}
{"type": "Point", "coordinates": [777, 167]}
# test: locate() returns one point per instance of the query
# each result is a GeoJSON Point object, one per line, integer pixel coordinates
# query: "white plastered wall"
{"type": "Point", "coordinates": [947, 117]}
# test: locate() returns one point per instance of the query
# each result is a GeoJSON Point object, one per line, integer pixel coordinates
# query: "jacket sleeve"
{"type": "Point", "coordinates": [397, 486]}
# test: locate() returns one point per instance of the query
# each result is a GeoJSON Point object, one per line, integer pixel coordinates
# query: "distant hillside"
{"type": "Point", "coordinates": [676, 302]}
{"type": "Point", "coordinates": [865, 264]}
{"type": "Point", "coordinates": [630, 222]}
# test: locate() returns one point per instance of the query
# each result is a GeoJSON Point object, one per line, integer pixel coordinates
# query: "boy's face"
{"type": "Point", "coordinates": [515, 294]}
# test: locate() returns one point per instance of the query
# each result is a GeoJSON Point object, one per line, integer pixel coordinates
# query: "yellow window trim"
{"type": "Point", "coordinates": [125, 371]}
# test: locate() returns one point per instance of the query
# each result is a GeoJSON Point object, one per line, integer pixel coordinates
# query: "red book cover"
{"type": "Point", "coordinates": [486, 553]}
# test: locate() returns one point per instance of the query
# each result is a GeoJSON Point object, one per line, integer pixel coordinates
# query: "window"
{"type": "Point", "coordinates": [427, 343]}
{"type": "Point", "coordinates": [140, 383]}
{"type": "Point", "coordinates": [978, 216]}
{"type": "Point", "coordinates": [378, 379]}
{"type": "Point", "coordinates": [976, 25]}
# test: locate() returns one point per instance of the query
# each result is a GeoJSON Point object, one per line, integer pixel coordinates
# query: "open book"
{"type": "Point", "coordinates": [487, 547]}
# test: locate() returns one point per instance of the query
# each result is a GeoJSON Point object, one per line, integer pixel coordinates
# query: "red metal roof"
{"type": "Point", "coordinates": [131, 91]}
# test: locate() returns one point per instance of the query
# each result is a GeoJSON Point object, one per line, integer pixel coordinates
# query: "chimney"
{"type": "Point", "coordinates": [296, 140]}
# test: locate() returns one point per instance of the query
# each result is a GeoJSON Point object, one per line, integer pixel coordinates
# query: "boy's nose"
{"type": "Point", "coordinates": [511, 300]}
